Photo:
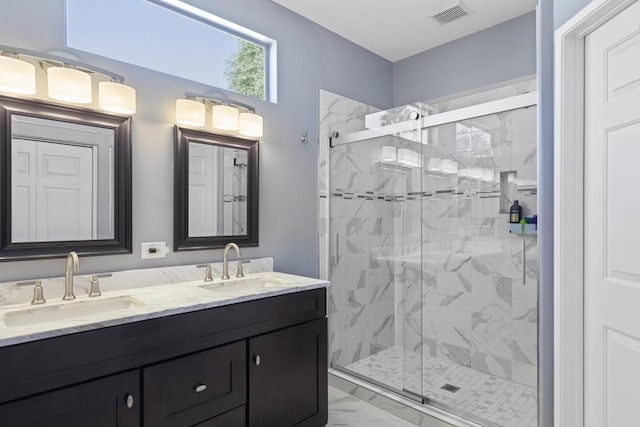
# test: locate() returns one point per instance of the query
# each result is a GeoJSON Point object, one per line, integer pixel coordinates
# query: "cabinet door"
{"type": "Point", "coordinates": [288, 377]}
{"type": "Point", "coordinates": [99, 403]}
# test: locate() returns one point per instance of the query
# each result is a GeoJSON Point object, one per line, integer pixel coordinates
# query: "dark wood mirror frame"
{"type": "Point", "coordinates": [122, 239]}
{"type": "Point", "coordinates": [181, 239]}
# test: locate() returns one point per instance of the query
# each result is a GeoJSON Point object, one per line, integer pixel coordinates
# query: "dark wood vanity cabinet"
{"type": "Point", "coordinates": [261, 363]}
{"type": "Point", "coordinates": [114, 401]}
{"type": "Point", "coordinates": [288, 377]}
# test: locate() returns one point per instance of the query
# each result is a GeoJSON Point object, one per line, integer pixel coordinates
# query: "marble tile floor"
{"type": "Point", "coordinates": [498, 401]}
{"type": "Point", "coordinates": [347, 410]}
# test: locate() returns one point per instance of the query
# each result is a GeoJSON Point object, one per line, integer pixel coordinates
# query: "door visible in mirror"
{"type": "Point", "coordinates": [62, 183]}
{"type": "Point", "coordinates": [217, 190]}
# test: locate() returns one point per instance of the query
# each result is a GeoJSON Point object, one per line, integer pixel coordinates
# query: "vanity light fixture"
{"type": "Point", "coordinates": [225, 117]}
{"type": "Point", "coordinates": [251, 125]}
{"type": "Point", "coordinates": [190, 112]}
{"type": "Point", "coordinates": [409, 158]}
{"type": "Point", "coordinates": [69, 85]}
{"type": "Point", "coordinates": [487, 175]}
{"type": "Point", "coordinates": [449, 167]}
{"type": "Point", "coordinates": [435, 164]}
{"type": "Point", "coordinates": [389, 154]}
{"type": "Point", "coordinates": [17, 76]}
{"type": "Point", "coordinates": [67, 80]}
{"type": "Point", "coordinates": [230, 116]}
{"type": "Point", "coordinates": [117, 97]}
{"type": "Point", "coordinates": [476, 173]}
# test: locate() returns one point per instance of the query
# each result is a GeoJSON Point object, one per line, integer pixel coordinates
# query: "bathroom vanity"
{"type": "Point", "coordinates": [192, 354]}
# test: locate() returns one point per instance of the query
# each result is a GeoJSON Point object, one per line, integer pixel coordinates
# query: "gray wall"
{"type": "Point", "coordinates": [552, 14]}
{"type": "Point", "coordinates": [545, 208]}
{"type": "Point", "coordinates": [309, 58]}
{"type": "Point", "coordinates": [504, 52]}
{"type": "Point", "coordinates": [563, 10]}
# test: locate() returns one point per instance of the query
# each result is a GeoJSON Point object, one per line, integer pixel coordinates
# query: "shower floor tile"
{"type": "Point", "coordinates": [501, 402]}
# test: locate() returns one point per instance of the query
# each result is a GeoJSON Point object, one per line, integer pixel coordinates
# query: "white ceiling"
{"type": "Point", "coordinates": [397, 29]}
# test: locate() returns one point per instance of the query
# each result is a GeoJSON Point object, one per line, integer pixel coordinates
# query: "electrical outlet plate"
{"type": "Point", "coordinates": [154, 250]}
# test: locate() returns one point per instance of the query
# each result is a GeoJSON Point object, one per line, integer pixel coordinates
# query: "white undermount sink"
{"type": "Point", "coordinates": [248, 285]}
{"type": "Point", "coordinates": [68, 310]}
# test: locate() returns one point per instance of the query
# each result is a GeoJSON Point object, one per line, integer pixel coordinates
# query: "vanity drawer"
{"type": "Point", "coordinates": [234, 418]}
{"type": "Point", "coordinates": [195, 388]}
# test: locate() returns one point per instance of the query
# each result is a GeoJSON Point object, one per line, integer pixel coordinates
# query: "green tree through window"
{"type": "Point", "coordinates": [245, 70]}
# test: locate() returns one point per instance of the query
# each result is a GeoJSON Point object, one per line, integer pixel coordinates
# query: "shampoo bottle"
{"type": "Point", "coordinates": [515, 213]}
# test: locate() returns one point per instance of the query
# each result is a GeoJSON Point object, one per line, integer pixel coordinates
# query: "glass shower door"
{"type": "Point", "coordinates": [374, 254]}
{"type": "Point", "coordinates": [362, 268]}
{"type": "Point", "coordinates": [480, 300]}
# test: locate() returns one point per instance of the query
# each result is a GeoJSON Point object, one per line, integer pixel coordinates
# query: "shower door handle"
{"type": "Point", "coordinates": [337, 246]}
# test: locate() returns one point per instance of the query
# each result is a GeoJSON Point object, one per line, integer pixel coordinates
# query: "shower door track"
{"type": "Point", "coordinates": [466, 113]}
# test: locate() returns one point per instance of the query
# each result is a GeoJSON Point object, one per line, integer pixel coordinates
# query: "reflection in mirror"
{"type": "Point", "coordinates": [61, 181]}
{"type": "Point", "coordinates": [66, 181]}
{"type": "Point", "coordinates": [217, 190]}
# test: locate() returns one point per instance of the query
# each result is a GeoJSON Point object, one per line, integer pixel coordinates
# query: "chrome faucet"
{"type": "Point", "coordinates": [73, 264]}
{"type": "Point", "coordinates": [225, 259]}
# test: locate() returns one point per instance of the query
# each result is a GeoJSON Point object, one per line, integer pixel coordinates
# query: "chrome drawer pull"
{"type": "Point", "coordinates": [257, 359]}
{"type": "Point", "coordinates": [128, 399]}
{"type": "Point", "coordinates": [199, 388]}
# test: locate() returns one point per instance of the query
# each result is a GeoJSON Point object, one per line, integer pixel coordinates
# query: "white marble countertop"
{"type": "Point", "coordinates": [141, 303]}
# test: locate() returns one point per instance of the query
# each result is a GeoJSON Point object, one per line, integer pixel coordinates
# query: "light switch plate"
{"type": "Point", "coordinates": [154, 250]}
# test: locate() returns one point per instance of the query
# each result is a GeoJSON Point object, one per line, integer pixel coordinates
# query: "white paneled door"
{"type": "Point", "coordinates": [203, 186]}
{"type": "Point", "coordinates": [612, 222]}
{"type": "Point", "coordinates": [54, 198]}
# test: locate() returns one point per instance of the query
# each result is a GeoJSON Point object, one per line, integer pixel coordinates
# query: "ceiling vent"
{"type": "Point", "coordinates": [451, 13]}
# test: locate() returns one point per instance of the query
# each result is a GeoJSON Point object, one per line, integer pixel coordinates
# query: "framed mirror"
{"type": "Point", "coordinates": [216, 190]}
{"type": "Point", "coordinates": [66, 181]}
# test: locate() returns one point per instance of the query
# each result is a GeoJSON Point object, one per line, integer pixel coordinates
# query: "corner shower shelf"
{"type": "Point", "coordinates": [528, 230]}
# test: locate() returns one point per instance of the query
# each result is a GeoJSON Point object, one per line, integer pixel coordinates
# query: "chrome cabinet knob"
{"type": "Point", "coordinates": [128, 400]}
{"type": "Point", "coordinates": [257, 360]}
{"type": "Point", "coordinates": [199, 388]}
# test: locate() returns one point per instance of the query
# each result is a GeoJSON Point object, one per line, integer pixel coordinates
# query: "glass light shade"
{"type": "Point", "coordinates": [487, 175]}
{"type": "Point", "coordinates": [435, 165]}
{"type": "Point", "coordinates": [465, 173]}
{"type": "Point", "coordinates": [189, 112]}
{"type": "Point", "coordinates": [389, 154]}
{"type": "Point", "coordinates": [416, 159]}
{"type": "Point", "coordinates": [17, 76]}
{"type": "Point", "coordinates": [476, 173]}
{"type": "Point", "coordinates": [449, 166]}
{"type": "Point", "coordinates": [67, 84]}
{"type": "Point", "coordinates": [117, 97]}
{"type": "Point", "coordinates": [404, 157]}
{"type": "Point", "coordinates": [225, 117]}
{"type": "Point", "coordinates": [250, 125]}
{"type": "Point", "coordinates": [408, 157]}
